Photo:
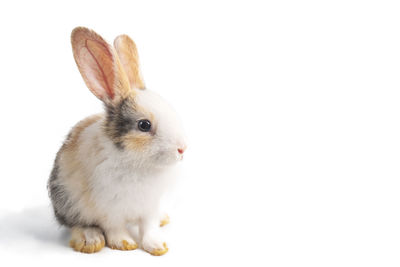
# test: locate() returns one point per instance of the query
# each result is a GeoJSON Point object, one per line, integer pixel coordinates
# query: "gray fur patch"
{"type": "Point", "coordinates": [120, 120]}
{"type": "Point", "coordinates": [61, 200]}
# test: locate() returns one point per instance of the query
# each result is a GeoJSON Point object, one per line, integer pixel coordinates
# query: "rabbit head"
{"type": "Point", "coordinates": [138, 121]}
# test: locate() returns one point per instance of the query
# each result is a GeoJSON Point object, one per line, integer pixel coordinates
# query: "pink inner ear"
{"type": "Point", "coordinates": [98, 68]}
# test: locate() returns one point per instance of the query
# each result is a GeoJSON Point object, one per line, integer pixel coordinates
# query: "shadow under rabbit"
{"type": "Point", "coordinates": [32, 224]}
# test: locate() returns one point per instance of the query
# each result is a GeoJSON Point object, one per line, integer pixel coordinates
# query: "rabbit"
{"type": "Point", "coordinates": [114, 167]}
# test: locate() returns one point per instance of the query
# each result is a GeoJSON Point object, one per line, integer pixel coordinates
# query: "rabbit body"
{"type": "Point", "coordinates": [111, 171]}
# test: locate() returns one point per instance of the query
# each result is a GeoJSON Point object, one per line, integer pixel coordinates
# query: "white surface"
{"type": "Point", "coordinates": [292, 111]}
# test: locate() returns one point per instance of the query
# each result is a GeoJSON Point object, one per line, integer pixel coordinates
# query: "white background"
{"type": "Point", "coordinates": [291, 109]}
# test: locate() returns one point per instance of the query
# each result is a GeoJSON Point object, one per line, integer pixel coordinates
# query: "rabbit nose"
{"type": "Point", "coordinates": [181, 150]}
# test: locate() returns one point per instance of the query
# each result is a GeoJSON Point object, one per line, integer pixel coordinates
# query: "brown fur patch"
{"type": "Point", "coordinates": [72, 139]}
{"type": "Point", "coordinates": [72, 168]}
{"type": "Point", "coordinates": [136, 141]}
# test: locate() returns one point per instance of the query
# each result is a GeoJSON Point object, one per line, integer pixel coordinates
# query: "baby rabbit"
{"type": "Point", "coordinates": [113, 168]}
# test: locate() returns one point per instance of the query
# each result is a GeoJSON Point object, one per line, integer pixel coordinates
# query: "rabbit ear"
{"type": "Point", "coordinates": [129, 57]}
{"type": "Point", "coordinates": [99, 66]}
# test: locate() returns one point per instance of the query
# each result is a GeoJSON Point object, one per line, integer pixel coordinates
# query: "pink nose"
{"type": "Point", "coordinates": [181, 150]}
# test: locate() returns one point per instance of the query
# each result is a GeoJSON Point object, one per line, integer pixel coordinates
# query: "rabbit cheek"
{"type": "Point", "coordinates": [136, 141]}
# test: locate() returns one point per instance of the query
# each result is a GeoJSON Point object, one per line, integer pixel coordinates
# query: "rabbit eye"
{"type": "Point", "coordinates": [144, 125]}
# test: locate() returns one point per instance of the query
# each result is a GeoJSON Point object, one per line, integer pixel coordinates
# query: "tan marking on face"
{"type": "Point", "coordinates": [136, 141]}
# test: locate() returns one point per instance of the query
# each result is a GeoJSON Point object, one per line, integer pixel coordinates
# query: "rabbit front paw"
{"type": "Point", "coordinates": [120, 241]}
{"type": "Point", "coordinates": [154, 246]}
{"type": "Point", "coordinates": [86, 239]}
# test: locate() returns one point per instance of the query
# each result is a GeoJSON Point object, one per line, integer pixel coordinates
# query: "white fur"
{"type": "Point", "coordinates": [125, 185]}
{"type": "Point", "coordinates": [169, 136]}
